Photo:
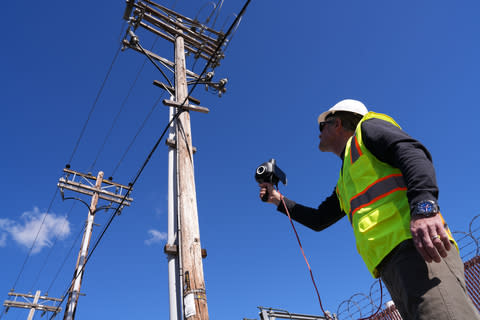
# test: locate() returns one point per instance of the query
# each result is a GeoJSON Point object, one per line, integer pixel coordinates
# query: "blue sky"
{"type": "Point", "coordinates": [414, 60]}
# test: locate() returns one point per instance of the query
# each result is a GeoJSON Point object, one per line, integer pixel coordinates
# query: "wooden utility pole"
{"type": "Point", "coordinates": [82, 255]}
{"type": "Point", "coordinates": [96, 192]}
{"type": "Point", "coordinates": [195, 299]}
{"type": "Point", "coordinates": [199, 40]}
{"type": "Point", "coordinates": [34, 305]}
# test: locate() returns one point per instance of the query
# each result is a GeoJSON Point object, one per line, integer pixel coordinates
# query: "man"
{"type": "Point", "coordinates": [388, 190]}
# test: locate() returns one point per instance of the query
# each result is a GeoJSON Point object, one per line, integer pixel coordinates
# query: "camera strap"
{"type": "Point", "coordinates": [327, 316]}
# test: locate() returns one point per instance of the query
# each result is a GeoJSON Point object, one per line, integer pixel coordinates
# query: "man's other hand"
{"type": "Point", "coordinates": [430, 237]}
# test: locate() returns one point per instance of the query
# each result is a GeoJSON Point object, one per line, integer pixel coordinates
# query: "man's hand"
{"type": "Point", "coordinates": [273, 195]}
{"type": "Point", "coordinates": [430, 237]}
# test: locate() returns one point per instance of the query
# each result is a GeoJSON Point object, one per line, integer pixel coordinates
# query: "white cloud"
{"type": "Point", "coordinates": [155, 237]}
{"type": "Point", "coordinates": [3, 239]}
{"type": "Point", "coordinates": [25, 232]}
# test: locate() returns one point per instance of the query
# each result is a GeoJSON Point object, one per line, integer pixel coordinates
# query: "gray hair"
{"type": "Point", "coordinates": [349, 120]}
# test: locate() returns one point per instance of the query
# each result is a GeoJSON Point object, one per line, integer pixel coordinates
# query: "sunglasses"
{"type": "Point", "coordinates": [322, 124]}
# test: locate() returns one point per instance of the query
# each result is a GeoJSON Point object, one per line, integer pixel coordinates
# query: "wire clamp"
{"type": "Point", "coordinates": [190, 107]}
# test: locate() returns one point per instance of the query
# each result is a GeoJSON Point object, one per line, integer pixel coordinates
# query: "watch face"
{"type": "Point", "coordinates": [425, 207]}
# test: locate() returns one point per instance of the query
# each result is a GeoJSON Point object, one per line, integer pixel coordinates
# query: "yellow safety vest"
{"type": "Point", "coordinates": [374, 196]}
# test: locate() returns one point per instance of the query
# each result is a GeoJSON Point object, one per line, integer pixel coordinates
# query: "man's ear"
{"type": "Point", "coordinates": [338, 123]}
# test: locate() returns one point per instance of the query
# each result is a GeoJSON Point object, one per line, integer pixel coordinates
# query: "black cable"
{"type": "Point", "coordinates": [219, 46]}
{"type": "Point", "coordinates": [71, 157]}
{"type": "Point", "coordinates": [70, 160]}
{"type": "Point", "coordinates": [137, 176]}
{"type": "Point", "coordinates": [136, 135]}
{"type": "Point", "coordinates": [122, 106]}
{"type": "Point", "coordinates": [155, 64]}
{"type": "Point", "coordinates": [35, 240]}
{"type": "Point", "coordinates": [94, 104]}
{"type": "Point", "coordinates": [51, 250]}
{"type": "Point", "coordinates": [207, 65]}
{"type": "Point", "coordinates": [114, 122]}
{"type": "Point", "coordinates": [22, 268]}
{"type": "Point", "coordinates": [66, 257]}
{"type": "Point", "coordinates": [114, 214]}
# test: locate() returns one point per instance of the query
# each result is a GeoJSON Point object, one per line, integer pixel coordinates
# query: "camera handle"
{"type": "Point", "coordinates": [266, 195]}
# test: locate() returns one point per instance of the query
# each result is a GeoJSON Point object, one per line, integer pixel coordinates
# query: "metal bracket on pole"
{"type": "Point", "coordinates": [172, 90]}
{"type": "Point", "coordinates": [173, 144]}
{"type": "Point", "coordinates": [191, 107]}
{"type": "Point", "coordinates": [173, 250]}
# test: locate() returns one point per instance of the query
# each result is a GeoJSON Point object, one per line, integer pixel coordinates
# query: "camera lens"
{"type": "Point", "coordinates": [261, 170]}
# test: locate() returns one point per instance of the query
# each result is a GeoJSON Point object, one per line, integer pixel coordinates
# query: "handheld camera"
{"type": "Point", "coordinates": [269, 172]}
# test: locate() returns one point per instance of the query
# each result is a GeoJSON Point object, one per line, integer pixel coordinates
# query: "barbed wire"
{"type": "Point", "coordinates": [361, 305]}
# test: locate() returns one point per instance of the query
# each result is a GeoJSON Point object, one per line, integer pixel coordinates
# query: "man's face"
{"type": "Point", "coordinates": [327, 135]}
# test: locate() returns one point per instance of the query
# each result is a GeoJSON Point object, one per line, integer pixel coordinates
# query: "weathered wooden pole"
{"type": "Point", "coordinates": [82, 255]}
{"type": "Point", "coordinates": [195, 299]}
{"type": "Point", "coordinates": [35, 301]}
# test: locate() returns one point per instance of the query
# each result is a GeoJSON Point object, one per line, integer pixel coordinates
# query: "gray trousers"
{"type": "Point", "coordinates": [421, 290]}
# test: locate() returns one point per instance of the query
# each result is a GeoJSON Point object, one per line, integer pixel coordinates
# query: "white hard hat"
{"type": "Point", "coordinates": [348, 105]}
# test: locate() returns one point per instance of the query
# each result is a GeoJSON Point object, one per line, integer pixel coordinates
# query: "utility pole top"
{"type": "Point", "coordinates": [84, 183]}
{"type": "Point", "coordinates": [200, 40]}
{"type": "Point", "coordinates": [38, 303]}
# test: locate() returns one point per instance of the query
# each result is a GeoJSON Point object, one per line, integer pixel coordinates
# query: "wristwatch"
{"type": "Point", "coordinates": [425, 208]}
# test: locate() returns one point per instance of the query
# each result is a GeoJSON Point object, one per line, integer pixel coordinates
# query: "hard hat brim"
{"type": "Point", "coordinates": [324, 115]}
{"type": "Point", "coordinates": [348, 105]}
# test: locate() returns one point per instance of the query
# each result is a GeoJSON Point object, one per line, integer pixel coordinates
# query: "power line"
{"type": "Point", "coordinates": [34, 241]}
{"type": "Point", "coordinates": [22, 268]}
{"type": "Point", "coordinates": [114, 214]}
{"type": "Point", "coordinates": [230, 29]}
{"type": "Point", "coordinates": [66, 257]}
{"type": "Point", "coordinates": [136, 135]}
{"type": "Point", "coordinates": [122, 106]}
{"type": "Point", "coordinates": [154, 63]}
{"type": "Point", "coordinates": [95, 101]}
{"type": "Point", "coordinates": [51, 249]}
{"type": "Point", "coordinates": [71, 157]}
